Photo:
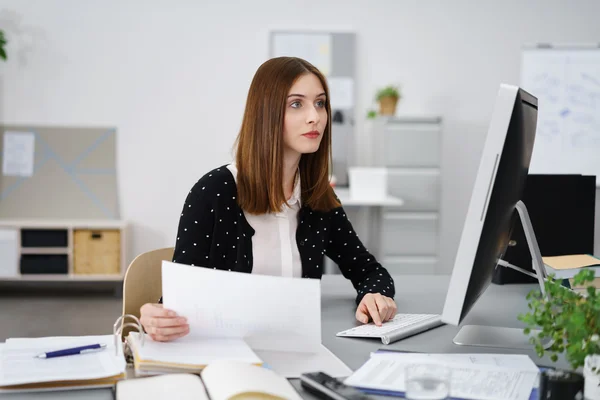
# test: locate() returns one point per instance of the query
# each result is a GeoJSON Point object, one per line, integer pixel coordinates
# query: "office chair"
{"type": "Point", "coordinates": [143, 282]}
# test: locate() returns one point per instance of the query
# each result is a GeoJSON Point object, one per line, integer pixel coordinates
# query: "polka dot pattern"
{"type": "Point", "coordinates": [214, 233]}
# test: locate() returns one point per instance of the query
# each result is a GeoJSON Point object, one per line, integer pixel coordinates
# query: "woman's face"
{"type": "Point", "coordinates": [305, 116]}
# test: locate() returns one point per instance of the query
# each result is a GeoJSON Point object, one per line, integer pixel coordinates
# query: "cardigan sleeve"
{"type": "Point", "coordinates": [196, 223]}
{"type": "Point", "coordinates": [354, 260]}
{"type": "Point", "coordinates": [195, 230]}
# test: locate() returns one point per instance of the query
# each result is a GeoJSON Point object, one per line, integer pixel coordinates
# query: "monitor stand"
{"type": "Point", "coordinates": [512, 338]}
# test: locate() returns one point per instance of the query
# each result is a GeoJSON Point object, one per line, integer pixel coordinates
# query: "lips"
{"type": "Point", "coordinates": [312, 134]}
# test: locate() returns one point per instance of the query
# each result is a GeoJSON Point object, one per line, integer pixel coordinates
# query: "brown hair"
{"type": "Point", "coordinates": [259, 155]}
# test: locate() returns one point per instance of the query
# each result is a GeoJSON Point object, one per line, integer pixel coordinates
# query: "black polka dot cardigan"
{"type": "Point", "coordinates": [214, 233]}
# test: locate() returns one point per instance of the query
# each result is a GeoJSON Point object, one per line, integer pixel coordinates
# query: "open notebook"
{"type": "Point", "coordinates": [190, 354]}
{"type": "Point", "coordinates": [221, 380]}
{"type": "Point", "coordinates": [22, 371]}
{"type": "Point", "coordinates": [184, 355]}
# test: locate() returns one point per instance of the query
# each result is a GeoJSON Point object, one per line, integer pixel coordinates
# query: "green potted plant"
{"type": "Point", "coordinates": [571, 320]}
{"type": "Point", "coordinates": [388, 99]}
{"type": "Point", "coordinates": [2, 44]}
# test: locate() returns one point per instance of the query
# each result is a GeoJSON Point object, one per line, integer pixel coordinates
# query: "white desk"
{"type": "Point", "coordinates": [388, 201]}
{"type": "Point", "coordinates": [373, 218]}
{"type": "Point", "coordinates": [415, 294]}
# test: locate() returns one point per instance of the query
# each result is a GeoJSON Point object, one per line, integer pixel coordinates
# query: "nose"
{"type": "Point", "coordinates": [312, 115]}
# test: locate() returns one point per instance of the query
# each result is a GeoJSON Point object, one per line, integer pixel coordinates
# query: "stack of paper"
{"type": "Point", "coordinates": [186, 355]}
{"type": "Point", "coordinates": [21, 370]}
{"type": "Point", "coordinates": [473, 376]}
{"type": "Point", "coordinates": [278, 318]}
{"type": "Point", "coordinates": [565, 267]}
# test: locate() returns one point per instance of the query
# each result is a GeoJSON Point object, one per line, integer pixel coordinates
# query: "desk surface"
{"type": "Point", "coordinates": [498, 306]}
{"type": "Point", "coordinates": [347, 200]}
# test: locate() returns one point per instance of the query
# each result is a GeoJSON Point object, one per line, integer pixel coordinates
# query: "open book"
{"type": "Point", "coordinates": [221, 380]}
{"type": "Point", "coordinates": [22, 371]}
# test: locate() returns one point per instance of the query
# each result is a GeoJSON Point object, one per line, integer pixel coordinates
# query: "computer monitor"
{"type": "Point", "coordinates": [494, 208]}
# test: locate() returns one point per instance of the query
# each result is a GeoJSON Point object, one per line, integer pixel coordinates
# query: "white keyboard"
{"type": "Point", "coordinates": [399, 327]}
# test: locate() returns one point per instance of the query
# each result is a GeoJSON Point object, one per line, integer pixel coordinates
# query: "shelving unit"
{"type": "Point", "coordinates": [410, 149]}
{"type": "Point", "coordinates": [66, 250]}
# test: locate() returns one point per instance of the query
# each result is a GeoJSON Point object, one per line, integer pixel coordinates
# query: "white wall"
{"type": "Point", "coordinates": [172, 76]}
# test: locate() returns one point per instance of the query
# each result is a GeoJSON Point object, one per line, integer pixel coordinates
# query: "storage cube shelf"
{"type": "Point", "coordinates": [410, 150]}
{"type": "Point", "coordinates": [66, 250]}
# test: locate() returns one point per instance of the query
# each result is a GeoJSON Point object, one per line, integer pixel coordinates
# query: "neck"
{"type": "Point", "coordinates": [290, 168]}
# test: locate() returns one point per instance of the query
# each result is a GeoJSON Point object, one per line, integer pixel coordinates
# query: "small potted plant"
{"type": "Point", "coordinates": [388, 100]}
{"type": "Point", "coordinates": [2, 44]}
{"type": "Point", "coordinates": [571, 321]}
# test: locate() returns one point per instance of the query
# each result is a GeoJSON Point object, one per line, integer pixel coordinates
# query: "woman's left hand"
{"type": "Point", "coordinates": [376, 307]}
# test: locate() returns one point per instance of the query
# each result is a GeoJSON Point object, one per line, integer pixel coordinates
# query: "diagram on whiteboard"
{"type": "Point", "coordinates": [567, 85]}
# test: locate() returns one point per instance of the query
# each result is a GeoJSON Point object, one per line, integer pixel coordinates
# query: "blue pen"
{"type": "Point", "coordinates": [72, 351]}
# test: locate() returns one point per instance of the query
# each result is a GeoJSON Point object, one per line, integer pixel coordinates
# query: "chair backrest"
{"type": "Point", "coordinates": [143, 281]}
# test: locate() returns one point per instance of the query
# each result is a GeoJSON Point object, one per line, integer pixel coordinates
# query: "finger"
{"type": "Point", "coordinates": [168, 338]}
{"type": "Point", "coordinates": [393, 307]}
{"type": "Point", "coordinates": [158, 311]}
{"type": "Point", "coordinates": [168, 322]}
{"type": "Point", "coordinates": [170, 331]}
{"type": "Point", "coordinates": [391, 311]}
{"type": "Point", "coordinates": [361, 314]}
{"type": "Point", "coordinates": [382, 307]}
{"type": "Point", "coordinates": [162, 322]}
{"type": "Point", "coordinates": [373, 311]}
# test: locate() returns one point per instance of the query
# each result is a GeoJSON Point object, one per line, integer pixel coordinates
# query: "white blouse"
{"type": "Point", "coordinates": [274, 247]}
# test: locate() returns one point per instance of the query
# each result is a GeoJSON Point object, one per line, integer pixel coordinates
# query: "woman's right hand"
{"type": "Point", "coordinates": [161, 324]}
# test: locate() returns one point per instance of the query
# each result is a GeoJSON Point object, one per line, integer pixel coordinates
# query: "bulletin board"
{"type": "Point", "coordinates": [58, 173]}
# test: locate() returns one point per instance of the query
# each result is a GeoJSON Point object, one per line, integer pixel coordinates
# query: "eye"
{"type": "Point", "coordinates": [320, 103]}
{"type": "Point", "coordinates": [296, 104]}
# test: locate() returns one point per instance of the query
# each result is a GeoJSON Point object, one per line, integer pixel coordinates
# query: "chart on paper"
{"type": "Point", "coordinates": [567, 85]}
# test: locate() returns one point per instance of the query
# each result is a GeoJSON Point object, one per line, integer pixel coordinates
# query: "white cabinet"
{"type": "Point", "coordinates": [410, 148]}
{"type": "Point", "coordinates": [62, 250]}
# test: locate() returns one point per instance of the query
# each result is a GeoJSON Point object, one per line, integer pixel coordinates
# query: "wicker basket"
{"type": "Point", "coordinates": [96, 252]}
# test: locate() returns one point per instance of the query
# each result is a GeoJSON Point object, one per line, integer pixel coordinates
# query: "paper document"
{"type": "Point", "coordinates": [515, 361]}
{"type": "Point", "coordinates": [291, 365]}
{"type": "Point", "coordinates": [164, 387]}
{"type": "Point", "coordinates": [279, 318]}
{"type": "Point", "coordinates": [186, 351]}
{"type": "Point", "coordinates": [18, 364]}
{"type": "Point", "coordinates": [268, 312]}
{"type": "Point", "coordinates": [481, 377]}
{"type": "Point", "coordinates": [18, 154]}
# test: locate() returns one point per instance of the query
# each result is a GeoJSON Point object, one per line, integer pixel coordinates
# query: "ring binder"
{"type": "Point", "coordinates": [120, 324]}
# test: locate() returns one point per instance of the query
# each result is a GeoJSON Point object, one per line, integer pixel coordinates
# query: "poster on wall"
{"type": "Point", "coordinates": [314, 48]}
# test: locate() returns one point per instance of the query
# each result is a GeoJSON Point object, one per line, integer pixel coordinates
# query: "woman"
{"type": "Point", "coordinates": [273, 211]}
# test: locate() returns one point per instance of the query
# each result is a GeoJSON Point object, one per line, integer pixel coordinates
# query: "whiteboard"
{"type": "Point", "coordinates": [566, 82]}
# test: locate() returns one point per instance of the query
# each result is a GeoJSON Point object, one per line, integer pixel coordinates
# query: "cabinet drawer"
{"type": "Point", "coordinates": [410, 265]}
{"type": "Point", "coordinates": [419, 188]}
{"type": "Point", "coordinates": [409, 234]}
{"type": "Point", "coordinates": [44, 264]}
{"type": "Point", "coordinates": [414, 145]}
{"type": "Point", "coordinates": [44, 238]}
